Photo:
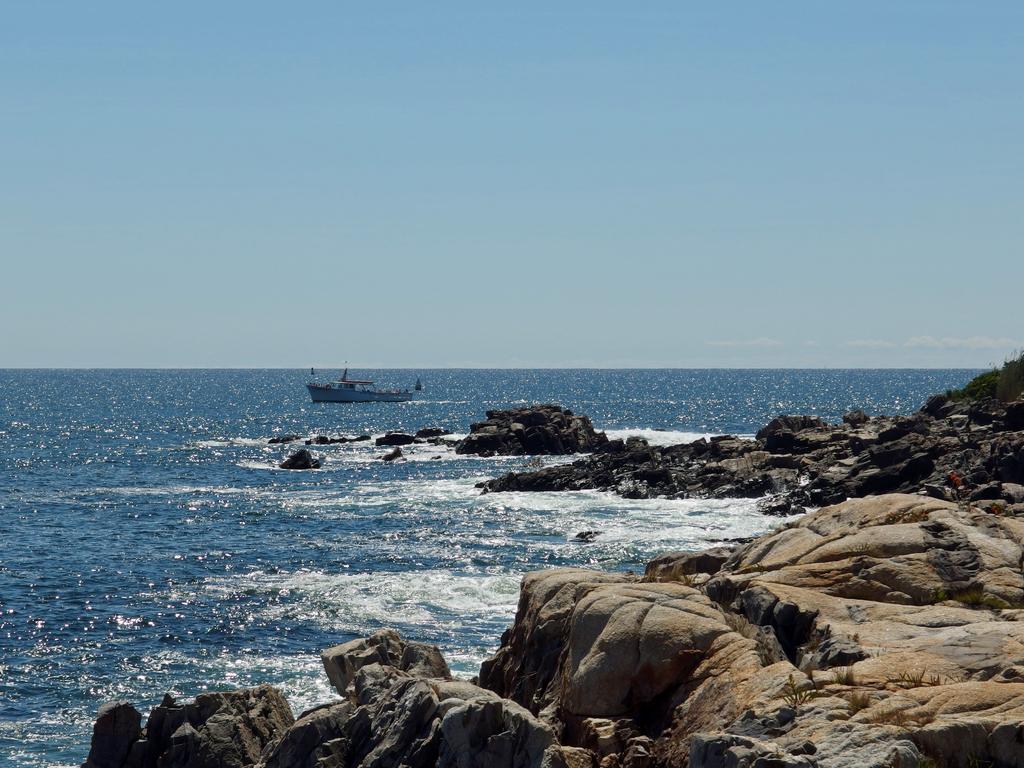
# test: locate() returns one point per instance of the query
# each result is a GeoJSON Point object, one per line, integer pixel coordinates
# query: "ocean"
{"type": "Point", "coordinates": [148, 543]}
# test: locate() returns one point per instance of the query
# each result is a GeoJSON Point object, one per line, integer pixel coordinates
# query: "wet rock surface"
{"type": "Point", "coordinates": [535, 430]}
{"type": "Point", "coordinates": [395, 439]}
{"type": "Point", "coordinates": [801, 461]}
{"type": "Point", "coordinates": [301, 459]}
{"type": "Point", "coordinates": [392, 455]}
{"type": "Point", "coordinates": [340, 440]}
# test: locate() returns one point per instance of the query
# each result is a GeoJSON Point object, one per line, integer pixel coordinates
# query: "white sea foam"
{"type": "Point", "coordinates": [359, 603]}
{"type": "Point", "coordinates": [168, 490]}
{"type": "Point", "coordinates": [655, 524]}
{"type": "Point", "coordinates": [657, 436]}
{"type": "Point", "coordinates": [223, 442]}
{"type": "Point", "coordinates": [661, 436]}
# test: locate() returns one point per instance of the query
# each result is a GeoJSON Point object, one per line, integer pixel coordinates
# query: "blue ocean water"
{"type": "Point", "coordinates": [149, 544]}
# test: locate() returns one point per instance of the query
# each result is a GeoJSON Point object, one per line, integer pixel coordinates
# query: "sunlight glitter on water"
{"type": "Point", "coordinates": [152, 545]}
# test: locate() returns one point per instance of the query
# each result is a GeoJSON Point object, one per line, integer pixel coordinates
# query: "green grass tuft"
{"type": "Point", "coordinates": [975, 597]}
{"type": "Point", "coordinates": [859, 701]}
{"type": "Point", "coordinates": [843, 676]}
{"type": "Point", "coordinates": [794, 696]}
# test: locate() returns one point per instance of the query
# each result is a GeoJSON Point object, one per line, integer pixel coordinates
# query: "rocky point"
{"type": "Point", "coordinates": [948, 449]}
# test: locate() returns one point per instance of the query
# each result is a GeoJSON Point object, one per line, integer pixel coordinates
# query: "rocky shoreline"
{"type": "Point", "coordinates": [877, 632]}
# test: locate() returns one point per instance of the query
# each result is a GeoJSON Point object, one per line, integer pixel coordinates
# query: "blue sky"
{"type": "Point", "coordinates": [449, 184]}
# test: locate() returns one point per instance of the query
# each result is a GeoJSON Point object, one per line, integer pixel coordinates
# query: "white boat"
{"type": "Point", "coordinates": [346, 390]}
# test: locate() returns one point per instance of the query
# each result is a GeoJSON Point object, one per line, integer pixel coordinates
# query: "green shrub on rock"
{"type": "Point", "coordinates": [1011, 379]}
{"type": "Point", "coordinates": [978, 388]}
{"type": "Point", "coordinates": [1006, 383]}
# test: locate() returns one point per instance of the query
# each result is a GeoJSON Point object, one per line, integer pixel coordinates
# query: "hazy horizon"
{"type": "Point", "coordinates": [586, 185]}
{"type": "Point", "coordinates": [328, 368]}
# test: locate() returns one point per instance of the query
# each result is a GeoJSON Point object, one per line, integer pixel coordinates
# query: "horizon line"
{"type": "Point", "coordinates": [505, 368]}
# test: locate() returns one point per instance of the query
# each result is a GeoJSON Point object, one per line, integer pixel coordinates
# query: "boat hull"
{"type": "Point", "coordinates": [329, 394]}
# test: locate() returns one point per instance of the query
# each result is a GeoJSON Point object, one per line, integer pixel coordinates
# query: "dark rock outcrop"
{"type": "Point", "coordinates": [327, 440]}
{"type": "Point", "coordinates": [301, 459]}
{"type": "Point", "coordinates": [395, 438]}
{"type": "Point", "coordinates": [428, 432]}
{"type": "Point", "coordinates": [535, 430]}
{"type": "Point", "coordinates": [801, 461]}
{"type": "Point", "coordinates": [677, 566]}
{"type": "Point", "coordinates": [855, 417]}
{"type": "Point", "coordinates": [392, 455]}
{"type": "Point", "coordinates": [396, 719]}
{"type": "Point", "coordinates": [317, 439]}
{"type": "Point", "coordinates": [314, 741]}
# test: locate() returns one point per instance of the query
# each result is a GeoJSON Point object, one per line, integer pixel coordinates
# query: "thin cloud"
{"type": "Point", "coordinates": [970, 342]}
{"type": "Point", "coordinates": [761, 342]}
{"type": "Point", "coordinates": [871, 344]}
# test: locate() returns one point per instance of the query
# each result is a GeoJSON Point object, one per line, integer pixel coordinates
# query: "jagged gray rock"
{"type": "Point", "coordinates": [395, 718]}
{"type": "Point", "coordinates": [217, 730]}
{"type": "Point", "coordinates": [387, 648]}
{"type": "Point", "coordinates": [314, 741]}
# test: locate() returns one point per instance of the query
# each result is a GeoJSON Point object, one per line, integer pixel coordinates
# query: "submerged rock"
{"type": "Point", "coordinates": [283, 439]}
{"type": "Point", "coordinates": [392, 455]}
{"type": "Point", "coordinates": [395, 438]}
{"type": "Point", "coordinates": [301, 459]}
{"type": "Point", "coordinates": [327, 440]}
